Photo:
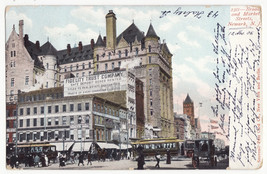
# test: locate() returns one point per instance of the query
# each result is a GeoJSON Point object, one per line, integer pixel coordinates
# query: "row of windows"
{"type": "Point", "coordinates": [53, 135]}
{"type": "Point", "coordinates": [55, 109]}
{"type": "Point", "coordinates": [83, 74]}
{"type": "Point", "coordinates": [56, 121]}
{"type": "Point", "coordinates": [40, 97]}
{"type": "Point", "coordinates": [112, 65]}
{"type": "Point", "coordinates": [105, 109]}
{"type": "Point", "coordinates": [77, 67]}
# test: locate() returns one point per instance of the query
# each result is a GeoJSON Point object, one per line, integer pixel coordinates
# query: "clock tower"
{"type": "Point", "coordinates": [188, 109]}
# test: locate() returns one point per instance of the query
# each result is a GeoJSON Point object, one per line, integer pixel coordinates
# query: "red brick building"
{"type": "Point", "coordinates": [11, 114]}
{"type": "Point", "coordinates": [188, 109]}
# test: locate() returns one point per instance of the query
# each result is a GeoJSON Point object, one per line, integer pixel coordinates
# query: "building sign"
{"type": "Point", "coordinates": [97, 83]}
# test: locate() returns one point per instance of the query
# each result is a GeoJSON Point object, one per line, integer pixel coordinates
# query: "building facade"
{"type": "Point", "coordinates": [11, 116]}
{"type": "Point", "coordinates": [30, 66]}
{"type": "Point", "coordinates": [54, 118]}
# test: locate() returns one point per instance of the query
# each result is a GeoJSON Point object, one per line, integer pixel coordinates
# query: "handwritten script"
{"type": "Point", "coordinates": [237, 49]}
{"type": "Point", "coordinates": [189, 13]}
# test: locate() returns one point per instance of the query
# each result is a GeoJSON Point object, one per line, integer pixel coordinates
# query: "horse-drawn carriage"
{"type": "Point", "coordinates": [204, 150]}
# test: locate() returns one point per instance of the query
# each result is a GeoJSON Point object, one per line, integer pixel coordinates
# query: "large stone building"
{"type": "Point", "coordinates": [30, 66]}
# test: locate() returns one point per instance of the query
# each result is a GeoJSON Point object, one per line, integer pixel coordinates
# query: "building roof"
{"type": "Point", "coordinates": [33, 51]}
{"type": "Point", "coordinates": [151, 32]}
{"type": "Point", "coordinates": [75, 55]}
{"type": "Point", "coordinates": [188, 100]}
{"type": "Point", "coordinates": [48, 49]}
{"type": "Point", "coordinates": [99, 42]}
{"type": "Point", "coordinates": [130, 34]}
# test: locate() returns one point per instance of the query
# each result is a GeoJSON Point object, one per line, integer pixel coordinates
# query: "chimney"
{"type": "Point", "coordinates": [68, 49]}
{"type": "Point", "coordinates": [111, 30]}
{"type": "Point", "coordinates": [80, 46]}
{"type": "Point", "coordinates": [92, 43]}
{"type": "Point", "coordinates": [21, 23]}
{"type": "Point", "coordinates": [105, 39]}
{"type": "Point", "coordinates": [26, 39]}
{"type": "Point", "coordinates": [37, 44]}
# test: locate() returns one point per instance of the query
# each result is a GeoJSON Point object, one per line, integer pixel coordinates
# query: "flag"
{"type": "Point", "coordinates": [214, 127]}
{"type": "Point", "coordinates": [213, 121]}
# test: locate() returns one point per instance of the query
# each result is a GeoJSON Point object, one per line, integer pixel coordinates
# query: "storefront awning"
{"type": "Point", "coordinates": [59, 145]}
{"type": "Point", "coordinates": [108, 146]}
{"type": "Point", "coordinates": [81, 146]}
{"type": "Point", "coordinates": [124, 146]}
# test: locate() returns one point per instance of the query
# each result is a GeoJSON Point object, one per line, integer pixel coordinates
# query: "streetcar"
{"type": "Point", "coordinates": [40, 149]}
{"type": "Point", "coordinates": [159, 145]}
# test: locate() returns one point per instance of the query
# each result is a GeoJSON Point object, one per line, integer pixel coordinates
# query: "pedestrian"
{"type": "Point", "coordinates": [31, 160]}
{"type": "Point", "coordinates": [128, 155]}
{"type": "Point", "coordinates": [168, 160]}
{"type": "Point", "coordinates": [46, 160]}
{"type": "Point", "coordinates": [13, 161]}
{"type": "Point", "coordinates": [157, 156]}
{"type": "Point", "coordinates": [140, 159]}
{"type": "Point", "coordinates": [89, 158]}
{"type": "Point", "coordinates": [26, 160]}
{"type": "Point", "coordinates": [81, 159]}
{"type": "Point", "coordinates": [72, 160]}
{"type": "Point", "coordinates": [43, 161]}
{"type": "Point", "coordinates": [36, 160]}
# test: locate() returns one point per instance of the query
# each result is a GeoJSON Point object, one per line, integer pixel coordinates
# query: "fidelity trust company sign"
{"type": "Point", "coordinates": [97, 83]}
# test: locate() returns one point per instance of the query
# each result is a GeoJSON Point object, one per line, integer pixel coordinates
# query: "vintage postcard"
{"type": "Point", "coordinates": [133, 87]}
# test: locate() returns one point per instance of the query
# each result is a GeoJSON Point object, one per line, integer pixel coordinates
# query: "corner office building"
{"type": "Point", "coordinates": [46, 116]}
{"type": "Point", "coordinates": [30, 66]}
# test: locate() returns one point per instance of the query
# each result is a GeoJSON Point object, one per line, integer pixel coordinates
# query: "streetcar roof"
{"type": "Point", "coordinates": [158, 140]}
{"type": "Point", "coordinates": [35, 145]}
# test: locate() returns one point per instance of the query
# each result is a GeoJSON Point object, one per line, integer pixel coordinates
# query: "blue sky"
{"type": "Point", "coordinates": [188, 38]}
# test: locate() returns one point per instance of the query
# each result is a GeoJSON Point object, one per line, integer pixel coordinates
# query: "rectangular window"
{"type": "Point", "coordinates": [79, 106]}
{"type": "Point", "coordinates": [28, 122]}
{"type": "Point", "coordinates": [27, 80]}
{"type": "Point", "coordinates": [21, 111]}
{"type": "Point", "coordinates": [87, 106]}
{"type": "Point", "coordinates": [151, 93]}
{"type": "Point", "coordinates": [56, 121]}
{"type": "Point", "coordinates": [64, 108]}
{"type": "Point", "coordinates": [42, 110]}
{"type": "Point", "coordinates": [20, 123]}
{"type": "Point", "coordinates": [151, 102]}
{"type": "Point", "coordinates": [79, 134]}
{"type": "Point", "coordinates": [71, 107]}
{"type": "Point", "coordinates": [87, 133]}
{"type": "Point", "coordinates": [49, 121]}
{"type": "Point", "coordinates": [71, 119]}
{"type": "Point", "coordinates": [72, 134]}
{"type": "Point", "coordinates": [49, 108]}
{"type": "Point", "coordinates": [12, 82]}
{"type": "Point", "coordinates": [149, 59]}
{"type": "Point", "coordinates": [112, 65]}
{"type": "Point", "coordinates": [79, 119]}
{"type": "Point", "coordinates": [64, 120]}
{"type": "Point", "coordinates": [106, 67]}
{"type": "Point", "coordinates": [87, 119]}
{"type": "Point", "coordinates": [42, 122]}
{"type": "Point", "coordinates": [35, 122]}
{"type": "Point", "coordinates": [56, 109]}
{"type": "Point", "coordinates": [151, 112]}
{"type": "Point", "coordinates": [119, 64]}
{"type": "Point", "coordinates": [35, 110]}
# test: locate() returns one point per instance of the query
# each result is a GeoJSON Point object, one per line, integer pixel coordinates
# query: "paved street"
{"type": "Point", "coordinates": [184, 163]}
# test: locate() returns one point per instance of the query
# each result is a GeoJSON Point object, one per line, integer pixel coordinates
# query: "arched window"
{"type": "Point", "coordinates": [83, 65]}
{"type": "Point", "coordinates": [136, 51]}
{"type": "Point", "coordinates": [126, 53]}
{"type": "Point", "coordinates": [119, 54]}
